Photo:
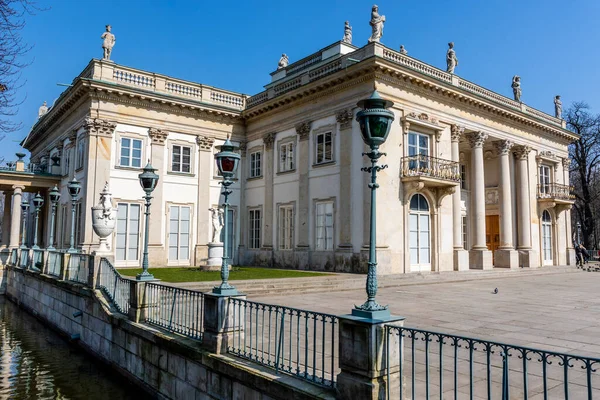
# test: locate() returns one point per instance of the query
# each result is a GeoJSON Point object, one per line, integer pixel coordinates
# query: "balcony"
{"type": "Point", "coordinates": [430, 171]}
{"type": "Point", "coordinates": [555, 193]}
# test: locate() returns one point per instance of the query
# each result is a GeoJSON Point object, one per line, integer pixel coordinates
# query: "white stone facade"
{"type": "Point", "coordinates": [491, 171]}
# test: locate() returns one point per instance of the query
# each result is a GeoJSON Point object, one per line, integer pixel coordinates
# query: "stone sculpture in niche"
{"type": "Point", "coordinates": [376, 24]}
{"type": "Point", "coordinates": [109, 42]}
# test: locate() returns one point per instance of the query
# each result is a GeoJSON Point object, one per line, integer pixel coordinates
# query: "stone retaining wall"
{"type": "Point", "coordinates": [165, 365]}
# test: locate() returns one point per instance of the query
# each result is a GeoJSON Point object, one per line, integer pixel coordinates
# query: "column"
{"type": "Point", "coordinates": [568, 227]}
{"type": "Point", "coordinates": [461, 255]}
{"type": "Point", "coordinates": [267, 243]}
{"type": "Point", "coordinates": [303, 131]}
{"type": "Point", "coordinates": [345, 118]}
{"type": "Point", "coordinates": [157, 254]}
{"type": "Point", "coordinates": [205, 160]}
{"type": "Point", "coordinates": [527, 257]}
{"type": "Point", "coordinates": [479, 256]}
{"type": "Point", "coordinates": [243, 211]}
{"type": "Point", "coordinates": [506, 255]}
{"type": "Point", "coordinates": [15, 222]}
{"type": "Point", "coordinates": [6, 220]}
{"type": "Point", "coordinates": [99, 136]}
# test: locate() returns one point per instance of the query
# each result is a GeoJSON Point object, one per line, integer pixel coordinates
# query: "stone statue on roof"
{"type": "Point", "coordinates": [376, 24]}
{"type": "Point", "coordinates": [283, 61]}
{"type": "Point", "coordinates": [557, 107]}
{"type": "Point", "coordinates": [347, 33]}
{"type": "Point", "coordinates": [516, 87]}
{"type": "Point", "coordinates": [403, 50]}
{"type": "Point", "coordinates": [42, 110]}
{"type": "Point", "coordinates": [109, 42]}
{"type": "Point", "coordinates": [451, 60]}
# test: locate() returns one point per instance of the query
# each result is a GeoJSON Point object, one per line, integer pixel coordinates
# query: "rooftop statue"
{"type": "Point", "coordinates": [516, 87]}
{"type": "Point", "coordinates": [451, 60]}
{"type": "Point", "coordinates": [557, 107]}
{"type": "Point", "coordinates": [283, 61]}
{"type": "Point", "coordinates": [376, 24]}
{"type": "Point", "coordinates": [403, 50]}
{"type": "Point", "coordinates": [109, 42]}
{"type": "Point", "coordinates": [43, 110]}
{"type": "Point", "coordinates": [347, 33]}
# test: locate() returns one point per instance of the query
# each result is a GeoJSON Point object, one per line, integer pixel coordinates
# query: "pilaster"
{"type": "Point", "coordinates": [205, 160]}
{"type": "Point", "coordinates": [461, 255]}
{"type": "Point", "coordinates": [479, 256]}
{"type": "Point", "coordinates": [6, 219]}
{"type": "Point", "coordinates": [345, 118]}
{"type": "Point", "coordinates": [303, 131]}
{"type": "Point", "coordinates": [267, 244]}
{"type": "Point", "coordinates": [243, 212]}
{"type": "Point", "coordinates": [15, 221]}
{"type": "Point", "coordinates": [156, 248]}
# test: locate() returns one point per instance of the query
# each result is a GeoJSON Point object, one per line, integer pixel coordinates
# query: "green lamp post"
{"type": "Point", "coordinates": [38, 203]}
{"type": "Point", "coordinates": [227, 163]}
{"type": "Point", "coordinates": [148, 180]}
{"type": "Point", "coordinates": [54, 198]}
{"type": "Point", "coordinates": [74, 188]}
{"type": "Point", "coordinates": [375, 121]}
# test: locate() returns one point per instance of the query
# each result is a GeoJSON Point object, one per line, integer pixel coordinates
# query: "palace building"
{"type": "Point", "coordinates": [475, 180]}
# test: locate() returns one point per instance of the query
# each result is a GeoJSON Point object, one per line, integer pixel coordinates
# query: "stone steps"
{"type": "Point", "coordinates": [342, 282]}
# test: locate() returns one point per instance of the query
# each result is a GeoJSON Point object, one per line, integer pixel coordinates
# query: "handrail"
{"type": "Point", "coordinates": [555, 191]}
{"type": "Point", "coordinates": [114, 286]}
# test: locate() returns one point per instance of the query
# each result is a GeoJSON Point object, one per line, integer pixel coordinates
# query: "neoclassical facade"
{"type": "Point", "coordinates": [474, 179]}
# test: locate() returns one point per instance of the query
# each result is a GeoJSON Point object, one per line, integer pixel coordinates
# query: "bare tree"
{"type": "Point", "coordinates": [13, 52]}
{"type": "Point", "coordinates": [585, 154]}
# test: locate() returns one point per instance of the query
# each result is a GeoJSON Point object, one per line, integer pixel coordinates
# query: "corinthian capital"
{"type": "Point", "coordinates": [205, 143]}
{"type": "Point", "coordinates": [303, 130]}
{"type": "Point", "coordinates": [99, 127]}
{"type": "Point", "coordinates": [456, 131]}
{"type": "Point", "coordinates": [476, 139]}
{"type": "Point", "coordinates": [503, 147]}
{"type": "Point", "coordinates": [268, 140]}
{"type": "Point", "coordinates": [158, 136]}
{"type": "Point", "coordinates": [344, 117]}
{"type": "Point", "coordinates": [566, 162]}
{"type": "Point", "coordinates": [521, 152]}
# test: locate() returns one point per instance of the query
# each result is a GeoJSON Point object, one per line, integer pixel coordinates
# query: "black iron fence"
{"type": "Point", "coordinates": [555, 191]}
{"type": "Point", "coordinates": [55, 261]}
{"type": "Point", "coordinates": [432, 167]}
{"type": "Point", "coordinates": [113, 285]}
{"type": "Point", "coordinates": [439, 365]}
{"type": "Point", "coordinates": [78, 269]}
{"type": "Point", "coordinates": [298, 342]}
{"type": "Point", "coordinates": [176, 310]}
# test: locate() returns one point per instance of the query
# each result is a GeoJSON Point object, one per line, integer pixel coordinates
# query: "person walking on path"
{"type": "Point", "coordinates": [578, 255]}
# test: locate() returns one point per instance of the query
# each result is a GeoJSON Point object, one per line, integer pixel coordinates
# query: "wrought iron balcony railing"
{"type": "Point", "coordinates": [432, 167]}
{"type": "Point", "coordinates": [555, 191]}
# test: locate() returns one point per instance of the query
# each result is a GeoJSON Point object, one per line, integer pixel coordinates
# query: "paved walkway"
{"type": "Point", "coordinates": [559, 312]}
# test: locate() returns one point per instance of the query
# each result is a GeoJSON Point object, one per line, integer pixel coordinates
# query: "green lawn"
{"type": "Point", "coordinates": [236, 273]}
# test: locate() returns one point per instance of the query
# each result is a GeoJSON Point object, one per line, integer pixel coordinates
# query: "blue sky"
{"type": "Point", "coordinates": [551, 44]}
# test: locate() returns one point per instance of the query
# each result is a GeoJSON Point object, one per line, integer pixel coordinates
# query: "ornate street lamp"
{"type": "Point", "coordinates": [38, 202]}
{"type": "Point", "coordinates": [227, 163]}
{"type": "Point", "coordinates": [578, 232]}
{"type": "Point", "coordinates": [24, 210]}
{"type": "Point", "coordinates": [375, 121]}
{"type": "Point", "coordinates": [54, 198]}
{"type": "Point", "coordinates": [148, 180]}
{"type": "Point", "coordinates": [74, 188]}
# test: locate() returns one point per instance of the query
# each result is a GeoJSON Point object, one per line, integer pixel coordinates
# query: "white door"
{"type": "Point", "coordinates": [127, 238]}
{"type": "Point", "coordinates": [547, 238]}
{"type": "Point", "coordinates": [419, 234]}
{"type": "Point", "coordinates": [179, 235]}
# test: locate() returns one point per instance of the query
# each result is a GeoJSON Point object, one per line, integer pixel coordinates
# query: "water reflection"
{"type": "Point", "coordinates": [36, 363]}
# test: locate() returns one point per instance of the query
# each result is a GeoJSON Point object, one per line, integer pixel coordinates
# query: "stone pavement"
{"type": "Point", "coordinates": [559, 312]}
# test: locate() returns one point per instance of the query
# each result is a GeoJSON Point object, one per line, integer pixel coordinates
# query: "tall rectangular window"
{"type": "Point", "coordinates": [286, 157]}
{"type": "Point", "coordinates": [181, 159]}
{"type": "Point", "coordinates": [80, 153]}
{"type": "Point", "coordinates": [544, 179]}
{"type": "Point", "coordinates": [67, 163]}
{"type": "Point", "coordinates": [286, 227]}
{"type": "Point", "coordinates": [128, 231]}
{"type": "Point", "coordinates": [463, 176]}
{"type": "Point", "coordinates": [255, 164]}
{"type": "Point", "coordinates": [131, 153]}
{"type": "Point", "coordinates": [230, 235]}
{"type": "Point", "coordinates": [324, 225]}
{"type": "Point", "coordinates": [464, 231]}
{"type": "Point", "coordinates": [324, 147]}
{"type": "Point", "coordinates": [179, 233]}
{"type": "Point", "coordinates": [418, 150]}
{"type": "Point", "coordinates": [254, 224]}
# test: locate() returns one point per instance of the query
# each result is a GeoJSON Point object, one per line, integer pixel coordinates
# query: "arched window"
{"type": "Point", "coordinates": [419, 234]}
{"type": "Point", "coordinates": [547, 237]}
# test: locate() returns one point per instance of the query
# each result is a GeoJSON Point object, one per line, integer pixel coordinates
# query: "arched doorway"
{"type": "Point", "coordinates": [419, 235]}
{"type": "Point", "coordinates": [547, 238]}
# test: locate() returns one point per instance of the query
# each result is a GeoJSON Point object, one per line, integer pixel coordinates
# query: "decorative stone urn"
{"type": "Point", "coordinates": [104, 218]}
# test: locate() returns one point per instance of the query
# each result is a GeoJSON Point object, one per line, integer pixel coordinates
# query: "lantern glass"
{"type": "Point", "coordinates": [38, 201]}
{"type": "Point", "coordinates": [74, 188]}
{"type": "Point", "coordinates": [227, 164]}
{"type": "Point", "coordinates": [54, 195]}
{"type": "Point", "coordinates": [148, 179]}
{"type": "Point", "coordinates": [24, 206]}
{"type": "Point", "coordinates": [378, 126]}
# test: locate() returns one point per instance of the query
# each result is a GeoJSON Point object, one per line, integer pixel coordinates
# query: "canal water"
{"type": "Point", "coordinates": [36, 363]}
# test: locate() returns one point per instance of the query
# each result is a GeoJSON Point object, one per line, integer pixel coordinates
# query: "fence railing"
{"type": "Point", "coordinates": [14, 256]}
{"type": "Point", "coordinates": [55, 261]}
{"type": "Point", "coordinates": [114, 286]}
{"type": "Point", "coordinates": [37, 262]}
{"type": "Point", "coordinates": [78, 270]}
{"type": "Point", "coordinates": [440, 365]}
{"type": "Point", "coordinates": [298, 342]}
{"type": "Point", "coordinates": [555, 191]}
{"type": "Point", "coordinates": [176, 310]}
{"type": "Point", "coordinates": [23, 258]}
{"type": "Point", "coordinates": [424, 165]}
